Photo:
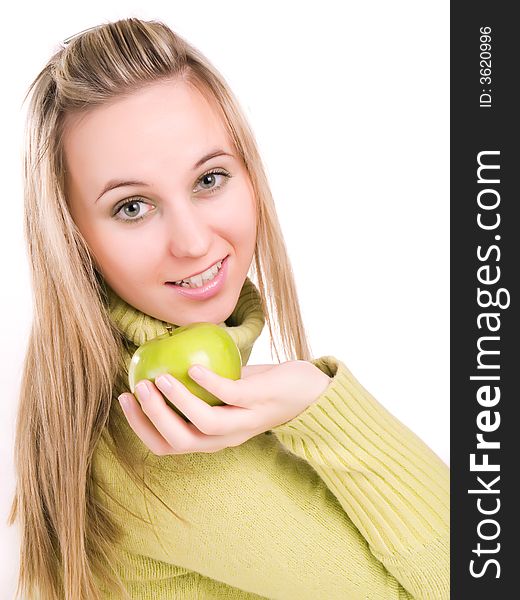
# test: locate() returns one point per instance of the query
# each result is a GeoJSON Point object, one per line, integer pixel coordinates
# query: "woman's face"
{"type": "Point", "coordinates": [160, 138]}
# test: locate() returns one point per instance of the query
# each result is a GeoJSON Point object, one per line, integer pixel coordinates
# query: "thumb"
{"type": "Point", "coordinates": [227, 390]}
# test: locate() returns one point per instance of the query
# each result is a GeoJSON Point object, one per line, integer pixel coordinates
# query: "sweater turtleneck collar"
{"type": "Point", "coordinates": [244, 325]}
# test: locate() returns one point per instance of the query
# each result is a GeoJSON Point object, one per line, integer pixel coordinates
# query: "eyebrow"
{"type": "Point", "coordinates": [115, 183]}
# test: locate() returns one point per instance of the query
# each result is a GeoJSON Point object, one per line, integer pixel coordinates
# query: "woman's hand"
{"type": "Point", "coordinates": [265, 396]}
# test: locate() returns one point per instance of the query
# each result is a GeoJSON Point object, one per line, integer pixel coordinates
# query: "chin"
{"type": "Point", "coordinates": [218, 314]}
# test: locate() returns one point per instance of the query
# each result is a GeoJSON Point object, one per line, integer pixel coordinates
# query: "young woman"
{"type": "Point", "coordinates": [141, 171]}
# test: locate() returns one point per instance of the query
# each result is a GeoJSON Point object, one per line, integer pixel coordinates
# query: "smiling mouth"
{"type": "Point", "coordinates": [203, 276]}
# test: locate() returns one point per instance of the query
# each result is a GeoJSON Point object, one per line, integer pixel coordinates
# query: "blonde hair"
{"type": "Point", "coordinates": [73, 364]}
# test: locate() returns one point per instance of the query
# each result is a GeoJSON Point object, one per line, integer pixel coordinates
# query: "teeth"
{"type": "Point", "coordinates": [195, 281]}
{"type": "Point", "coordinates": [199, 280]}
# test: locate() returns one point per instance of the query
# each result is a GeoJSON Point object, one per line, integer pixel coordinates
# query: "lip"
{"type": "Point", "coordinates": [208, 290]}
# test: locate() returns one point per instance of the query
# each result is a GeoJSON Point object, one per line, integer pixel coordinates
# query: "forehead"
{"type": "Point", "coordinates": [168, 124]}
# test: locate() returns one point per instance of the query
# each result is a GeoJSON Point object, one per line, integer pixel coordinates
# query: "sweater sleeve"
{"type": "Point", "coordinates": [393, 487]}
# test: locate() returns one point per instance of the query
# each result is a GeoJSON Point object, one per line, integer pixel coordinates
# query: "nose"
{"type": "Point", "coordinates": [188, 233]}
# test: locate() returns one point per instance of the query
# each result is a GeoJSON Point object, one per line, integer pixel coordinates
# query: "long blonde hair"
{"type": "Point", "coordinates": [74, 356]}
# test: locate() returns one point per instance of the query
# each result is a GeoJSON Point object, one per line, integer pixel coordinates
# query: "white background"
{"type": "Point", "coordinates": [349, 102]}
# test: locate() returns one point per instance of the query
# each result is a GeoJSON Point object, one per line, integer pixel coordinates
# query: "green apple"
{"type": "Point", "coordinates": [175, 352]}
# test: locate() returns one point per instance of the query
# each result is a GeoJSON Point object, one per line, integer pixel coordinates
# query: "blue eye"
{"type": "Point", "coordinates": [211, 183]}
{"type": "Point", "coordinates": [131, 202]}
{"type": "Point", "coordinates": [208, 179]}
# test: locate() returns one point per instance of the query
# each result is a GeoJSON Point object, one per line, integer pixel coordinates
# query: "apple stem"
{"type": "Point", "coordinates": [169, 328]}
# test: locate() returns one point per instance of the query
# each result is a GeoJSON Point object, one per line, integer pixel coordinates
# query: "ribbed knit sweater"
{"type": "Point", "coordinates": [341, 502]}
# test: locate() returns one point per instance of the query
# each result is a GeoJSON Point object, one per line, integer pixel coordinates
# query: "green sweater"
{"type": "Point", "coordinates": [342, 502]}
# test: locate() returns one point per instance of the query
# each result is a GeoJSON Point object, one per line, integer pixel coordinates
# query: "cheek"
{"type": "Point", "coordinates": [240, 229]}
{"type": "Point", "coordinates": [118, 256]}
{"type": "Point", "coordinates": [242, 220]}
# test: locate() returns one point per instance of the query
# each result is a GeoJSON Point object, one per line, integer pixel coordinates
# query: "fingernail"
{"type": "Point", "coordinates": [196, 372]}
{"type": "Point", "coordinates": [163, 382]}
{"type": "Point", "coordinates": [124, 401]}
{"type": "Point", "coordinates": [142, 390]}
